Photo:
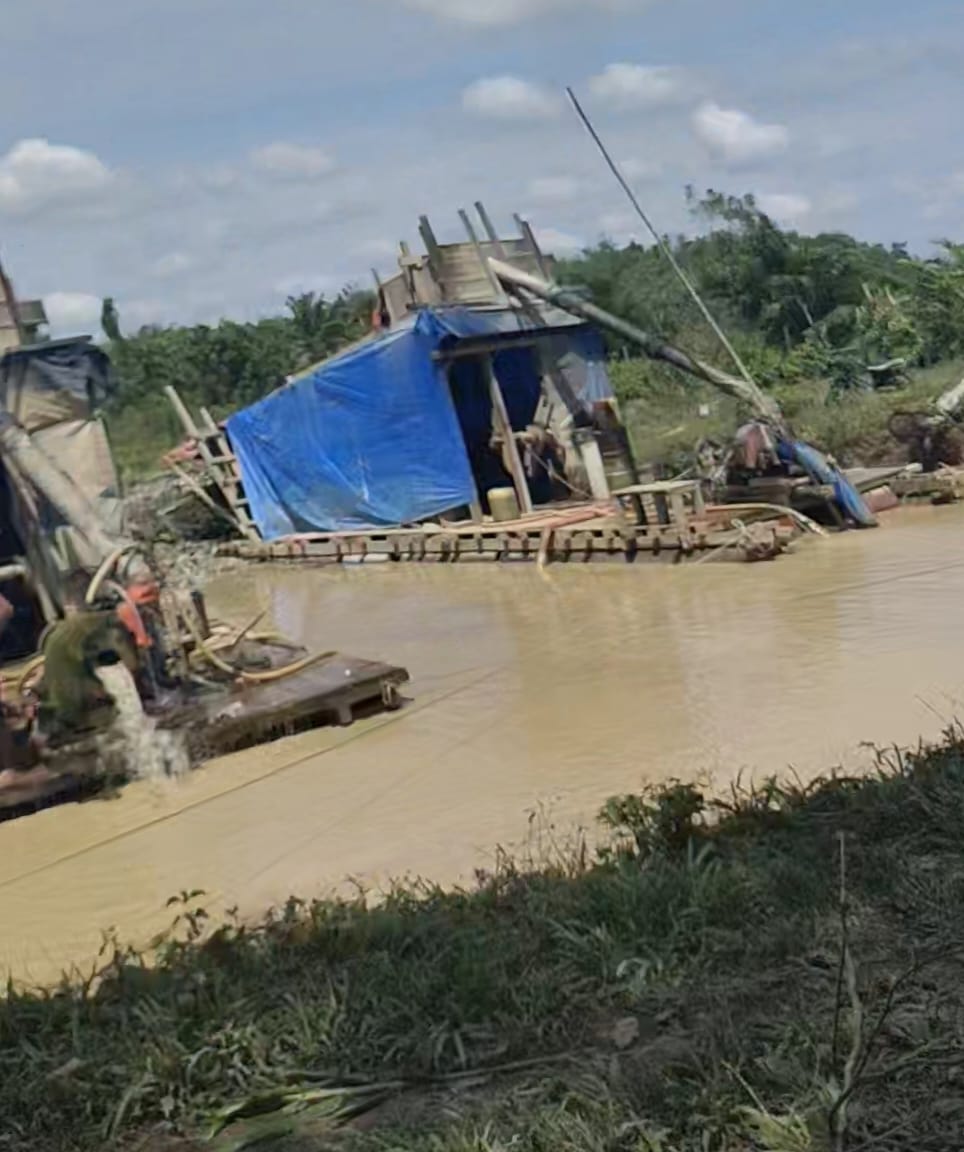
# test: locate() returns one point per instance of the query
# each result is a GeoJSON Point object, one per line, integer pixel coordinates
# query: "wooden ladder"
{"type": "Point", "coordinates": [219, 460]}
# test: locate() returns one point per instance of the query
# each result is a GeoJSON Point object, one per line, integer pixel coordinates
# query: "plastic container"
{"type": "Point", "coordinates": [503, 504]}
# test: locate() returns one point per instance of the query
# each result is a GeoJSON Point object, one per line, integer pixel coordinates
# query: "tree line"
{"type": "Point", "coordinates": [230, 364]}
{"type": "Point", "coordinates": [797, 306]}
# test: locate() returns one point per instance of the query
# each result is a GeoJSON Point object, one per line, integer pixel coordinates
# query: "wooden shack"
{"type": "Point", "coordinates": [465, 394]}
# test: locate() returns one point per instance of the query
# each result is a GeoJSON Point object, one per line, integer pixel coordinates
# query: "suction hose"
{"type": "Point", "coordinates": [253, 677]}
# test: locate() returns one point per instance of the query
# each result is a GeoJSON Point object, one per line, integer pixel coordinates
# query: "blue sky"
{"type": "Point", "coordinates": [200, 158]}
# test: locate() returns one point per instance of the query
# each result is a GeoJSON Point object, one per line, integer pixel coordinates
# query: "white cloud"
{"type": "Point", "coordinates": [553, 189]}
{"type": "Point", "coordinates": [785, 207]}
{"type": "Point", "coordinates": [509, 98]}
{"type": "Point", "coordinates": [35, 173]}
{"type": "Point", "coordinates": [73, 313]}
{"type": "Point", "coordinates": [622, 228]}
{"type": "Point", "coordinates": [173, 264]}
{"type": "Point", "coordinates": [138, 313]}
{"type": "Point", "coordinates": [556, 243]}
{"type": "Point", "coordinates": [634, 169]}
{"type": "Point", "coordinates": [502, 13]}
{"type": "Point", "coordinates": [631, 86]}
{"type": "Point", "coordinates": [300, 283]}
{"type": "Point", "coordinates": [735, 137]}
{"type": "Point", "coordinates": [287, 161]}
{"type": "Point", "coordinates": [378, 248]}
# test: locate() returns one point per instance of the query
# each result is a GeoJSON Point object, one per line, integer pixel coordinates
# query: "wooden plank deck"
{"type": "Point", "coordinates": [592, 532]}
{"type": "Point", "coordinates": [328, 693]}
{"type": "Point", "coordinates": [332, 692]}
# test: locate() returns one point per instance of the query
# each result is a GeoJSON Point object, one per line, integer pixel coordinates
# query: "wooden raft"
{"type": "Point", "coordinates": [576, 535]}
{"type": "Point", "coordinates": [328, 693]}
{"type": "Point", "coordinates": [332, 692]}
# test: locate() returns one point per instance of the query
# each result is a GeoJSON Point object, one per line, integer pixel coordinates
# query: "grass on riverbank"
{"type": "Point", "coordinates": [782, 974]}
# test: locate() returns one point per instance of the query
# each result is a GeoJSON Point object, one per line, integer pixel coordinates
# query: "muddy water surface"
{"type": "Point", "coordinates": [531, 691]}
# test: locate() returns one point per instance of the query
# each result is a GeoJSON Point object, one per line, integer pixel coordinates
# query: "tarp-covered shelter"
{"type": "Point", "coordinates": [396, 429]}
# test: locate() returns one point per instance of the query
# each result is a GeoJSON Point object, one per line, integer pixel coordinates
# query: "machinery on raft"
{"type": "Point", "coordinates": [201, 687]}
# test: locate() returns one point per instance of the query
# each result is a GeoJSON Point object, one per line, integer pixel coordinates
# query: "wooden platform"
{"type": "Point", "coordinates": [332, 692]}
{"type": "Point", "coordinates": [329, 693]}
{"type": "Point", "coordinates": [587, 533]}
{"type": "Point", "coordinates": [943, 487]}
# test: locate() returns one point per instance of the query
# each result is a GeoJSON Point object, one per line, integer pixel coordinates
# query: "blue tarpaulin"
{"type": "Point", "coordinates": [372, 438]}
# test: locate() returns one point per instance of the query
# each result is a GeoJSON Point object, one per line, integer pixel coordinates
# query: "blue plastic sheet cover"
{"type": "Point", "coordinates": [369, 439]}
{"type": "Point", "coordinates": [578, 348]}
{"type": "Point", "coordinates": [583, 360]}
{"type": "Point", "coordinates": [851, 503]}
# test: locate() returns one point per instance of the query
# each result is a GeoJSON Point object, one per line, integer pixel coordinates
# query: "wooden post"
{"type": "Point", "coordinates": [407, 264]}
{"type": "Point", "coordinates": [180, 408]}
{"type": "Point", "coordinates": [434, 254]}
{"type": "Point", "coordinates": [529, 236]}
{"type": "Point", "coordinates": [13, 305]}
{"type": "Point", "coordinates": [210, 424]}
{"type": "Point", "coordinates": [494, 281]}
{"type": "Point", "coordinates": [490, 230]}
{"type": "Point", "coordinates": [504, 428]}
{"type": "Point", "coordinates": [591, 456]}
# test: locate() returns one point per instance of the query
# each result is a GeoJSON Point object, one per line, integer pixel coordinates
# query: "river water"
{"type": "Point", "coordinates": [532, 692]}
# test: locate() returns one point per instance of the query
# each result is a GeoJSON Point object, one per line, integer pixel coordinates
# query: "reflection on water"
{"type": "Point", "coordinates": [557, 687]}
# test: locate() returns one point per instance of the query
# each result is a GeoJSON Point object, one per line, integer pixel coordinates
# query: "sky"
{"type": "Point", "coordinates": [199, 159]}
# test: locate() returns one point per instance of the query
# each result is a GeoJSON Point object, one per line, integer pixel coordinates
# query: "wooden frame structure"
{"type": "Point", "coordinates": [453, 274]}
{"type": "Point", "coordinates": [461, 274]}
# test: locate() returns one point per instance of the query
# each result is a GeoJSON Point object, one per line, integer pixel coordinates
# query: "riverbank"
{"type": "Point", "coordinates": [782, 971]}
{"type": "Point", "coordinates": [667, 418]}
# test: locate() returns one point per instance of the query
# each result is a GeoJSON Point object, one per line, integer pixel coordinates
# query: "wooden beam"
{"type": "Point", "coordinates": [407, 262]}
{"type": "Point", "coordinates": [434, 253]}
{"type": "Point", "coordinates": [504, 428]}
{"type": "Point", "coordinates": [494, 282]}
{"type": "Point", "coordinates": [490, 230]}
{"type": "Point", "coordinates": [530, 238]}
{"type": "Point", "coordinates": [13, 305]}
{"type": "Point", "coordinates": [181, 411]}
{"type": "Point", "coordinates": [210, 424]}
{"type": "Point", "coordinates": [469, 349]}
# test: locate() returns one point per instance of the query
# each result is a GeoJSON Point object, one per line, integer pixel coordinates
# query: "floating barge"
{"type": "Point", "coordinates": [336, 691]}
{"type": "Point", "coordinates": [678, 527]}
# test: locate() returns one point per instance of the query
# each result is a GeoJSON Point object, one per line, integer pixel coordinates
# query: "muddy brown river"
{"type": "Point", "coordinates": [532, 692]}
